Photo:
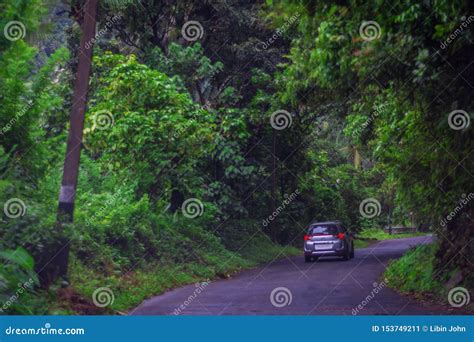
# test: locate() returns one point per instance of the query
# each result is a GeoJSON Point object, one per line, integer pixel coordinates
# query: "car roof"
{"type": "Point", "coordinates": [327, 222]}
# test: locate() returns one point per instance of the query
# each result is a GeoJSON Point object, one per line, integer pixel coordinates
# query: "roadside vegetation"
{"type": "Point", "coordinates": [134, 286]}
{"type": "Point", "coordinates": [380, 234]}
{"type": "Point", "coordinates": [156, 278]}
{"type": "Point", "coordinates": [204, 156]}
{"type": "Point", "coordinates": [371, 235]}
{"type": "Point", "coordinates": [415, 274]}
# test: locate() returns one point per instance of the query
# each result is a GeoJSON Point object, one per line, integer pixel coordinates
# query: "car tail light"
{"type": "Point", "coordinates": [340, 236]}
{"type": "Point", "coordinates": [307, 237]}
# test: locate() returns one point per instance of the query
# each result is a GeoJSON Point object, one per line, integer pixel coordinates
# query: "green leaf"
{"type": "Point", "coordinates": [20, 257]}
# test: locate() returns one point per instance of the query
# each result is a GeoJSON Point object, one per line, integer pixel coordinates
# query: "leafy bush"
{"type": "Point", "coordinates": [414, 272]}
{"type": "Point", "coordinates": [17, 280]}
{"type": "Point", "coordinates": [380, 234]}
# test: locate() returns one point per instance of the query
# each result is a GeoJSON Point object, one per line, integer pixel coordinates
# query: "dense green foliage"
{"type": "Point", "coordinates": [171, 119]}
{"type": "Point", "coordinates": [17, 278]}
{"type": "Point", "coordinates": [415, 273]}
{"type": "Point", "coordinates": [393, 89]}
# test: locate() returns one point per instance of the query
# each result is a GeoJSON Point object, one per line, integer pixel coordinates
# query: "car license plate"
{"type": "Point", "coordinates": [325, 246]}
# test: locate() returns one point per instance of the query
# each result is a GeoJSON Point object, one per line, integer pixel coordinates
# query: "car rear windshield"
{"type": "Point", "coordinates": [323, 229]}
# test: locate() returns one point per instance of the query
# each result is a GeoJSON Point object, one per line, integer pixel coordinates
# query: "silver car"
{"type": "Point", "coordinates": [328, 239]}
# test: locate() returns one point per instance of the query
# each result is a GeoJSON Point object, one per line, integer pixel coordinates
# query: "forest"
{"type": "Point", "coordinates": [216, 131]}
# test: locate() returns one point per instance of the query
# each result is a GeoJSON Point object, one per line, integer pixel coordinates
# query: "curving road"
{"type": "Point", "coordinates": [325, 287]}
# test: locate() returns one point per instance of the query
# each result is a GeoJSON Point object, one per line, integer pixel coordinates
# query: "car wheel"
{"type": "Point", "coordinates": [346, 255]}
{"type": "Point", "coordinates": [352, 251]}
{"type": "Point", "coordinates": [307, 258]}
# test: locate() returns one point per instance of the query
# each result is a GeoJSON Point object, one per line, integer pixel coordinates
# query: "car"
{"type": "Point", "coordinates": [328, 239]}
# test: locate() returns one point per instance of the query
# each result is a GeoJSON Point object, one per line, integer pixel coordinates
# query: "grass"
{"type": "Point", "coordinates": [370, 235]}
{"type": "Point", "coordinates": [131, 289]}
{"type": "Point", "coordinates": [380, 234]}
{"type": "Point", "coordinates": [124, 285]}
{"type": "Point", "coordinates": [358, 243]}
{"type": "Point", "coordinates": [414, 272]}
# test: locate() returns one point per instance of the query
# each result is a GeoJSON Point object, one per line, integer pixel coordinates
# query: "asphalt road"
{"type": "Point", "coordinates": [327, 287]}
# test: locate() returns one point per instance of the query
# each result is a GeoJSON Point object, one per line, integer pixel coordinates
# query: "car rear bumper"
{"type": "Point", "coordinates": [328, 252]}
